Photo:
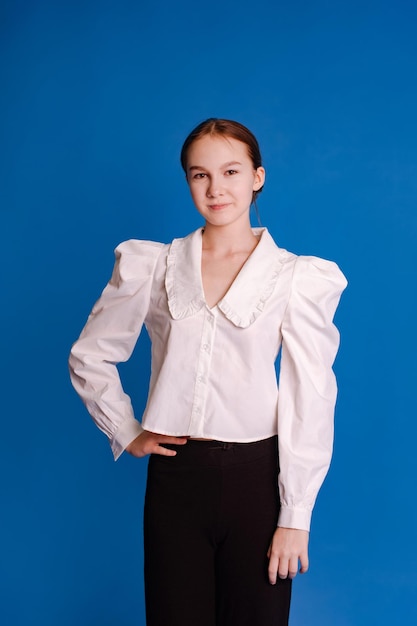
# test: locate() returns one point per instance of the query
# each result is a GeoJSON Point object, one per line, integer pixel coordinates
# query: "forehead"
{"type": "Point", "coordinates": [212, 150]}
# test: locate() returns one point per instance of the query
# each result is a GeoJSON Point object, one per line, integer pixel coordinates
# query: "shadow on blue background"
{"type": "Point", "coordinates": [96, 98]}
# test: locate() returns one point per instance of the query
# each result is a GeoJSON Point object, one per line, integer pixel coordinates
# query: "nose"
{"type": "Point", "coordinates": [213, 188]}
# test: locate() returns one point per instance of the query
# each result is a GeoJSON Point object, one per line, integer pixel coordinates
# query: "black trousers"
{"type": "Point", "coordinates": [210, 513]}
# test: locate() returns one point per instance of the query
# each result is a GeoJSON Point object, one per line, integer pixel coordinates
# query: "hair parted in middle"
{"type": "Point", "coordinates": [219, 127]}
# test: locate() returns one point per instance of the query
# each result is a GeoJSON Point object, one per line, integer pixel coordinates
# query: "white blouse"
{"type": "Point", "coordinates": [213, 370]}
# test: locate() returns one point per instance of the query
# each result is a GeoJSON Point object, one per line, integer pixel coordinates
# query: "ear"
{"type": "Point", "coordinates": [259, 178]}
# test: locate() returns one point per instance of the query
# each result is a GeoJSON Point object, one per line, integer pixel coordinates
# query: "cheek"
{"type": "Point", "coordinates": [249, 188]}
{"type": "Point", "coordinates": [197, 193]}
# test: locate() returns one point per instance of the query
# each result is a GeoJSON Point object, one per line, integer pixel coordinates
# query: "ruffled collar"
{"type": "Point", "coordinates": [247, 295]}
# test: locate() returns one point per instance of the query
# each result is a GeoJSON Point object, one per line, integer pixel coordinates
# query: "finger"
{"type": "Point", "coordinates": [163, 451]}
{"type": "Point", "coordinates": [283, 568]}
{"type": "Point", "coordinates": [272, 568]}
{"type": "Point", "coordinates": [293, 567]}
{"type": "Point", "coordinates": [304, 564]}
{"type": "Point", "coordinates": [166, 439]}
{"type": "Point", "coordinates": [174, 440]}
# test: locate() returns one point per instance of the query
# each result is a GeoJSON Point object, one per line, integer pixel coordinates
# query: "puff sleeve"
{"type": "Point", "coordinates": [307, 387]}
{"type": "Point", "coordinates": [109, 337]}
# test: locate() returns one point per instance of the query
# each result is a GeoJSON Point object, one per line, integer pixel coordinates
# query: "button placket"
{"type": "Point", "coordinates": [203, 368]}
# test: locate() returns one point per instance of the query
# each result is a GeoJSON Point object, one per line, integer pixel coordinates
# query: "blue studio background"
{"type": "Point", "coordinates": [96, 99]}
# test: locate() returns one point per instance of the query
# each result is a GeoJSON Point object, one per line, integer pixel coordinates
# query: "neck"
{"type": "Point", "coordinates": [230, 238]}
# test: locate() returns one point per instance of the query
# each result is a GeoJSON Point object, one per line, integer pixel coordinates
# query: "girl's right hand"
{"type": "Point", "coordinates": [151, 443]}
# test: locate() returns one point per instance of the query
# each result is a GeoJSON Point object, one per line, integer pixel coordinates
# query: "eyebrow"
{"type": "Point", "coordinates": [200, 167]}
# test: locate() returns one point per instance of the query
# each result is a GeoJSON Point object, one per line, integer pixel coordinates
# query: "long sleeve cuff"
{"type": "Point", "coordinates": [290, 517]}
{"type": "Point", "coordinates": [128, 431]}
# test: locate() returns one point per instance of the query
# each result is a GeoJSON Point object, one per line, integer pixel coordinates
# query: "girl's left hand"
{"type": "Point", "coordinates": [288, 546]}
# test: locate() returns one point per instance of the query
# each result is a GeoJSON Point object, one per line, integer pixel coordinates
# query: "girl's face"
{"type": "Point", "coordinates": [222, 179]}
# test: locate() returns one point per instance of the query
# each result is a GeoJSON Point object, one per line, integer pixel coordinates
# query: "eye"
{"type": "Point", "coordinates": [199, 175]}
{"type": "Point", "coordinates": [231, 172]}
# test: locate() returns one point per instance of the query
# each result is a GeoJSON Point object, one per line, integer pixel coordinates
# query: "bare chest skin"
{"type": "Point", "coordinates": [218, 273]}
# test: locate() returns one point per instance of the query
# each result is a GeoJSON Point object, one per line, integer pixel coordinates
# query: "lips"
{"type": "Point", "coordinates": [218, 207]}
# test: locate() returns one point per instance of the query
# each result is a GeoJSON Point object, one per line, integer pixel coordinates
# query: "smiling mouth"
{"type": "Point", "coordinates": [217, 207]}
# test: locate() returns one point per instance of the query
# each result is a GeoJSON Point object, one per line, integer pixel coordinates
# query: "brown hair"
{"type": "Point", "coordinates": [224, 128]}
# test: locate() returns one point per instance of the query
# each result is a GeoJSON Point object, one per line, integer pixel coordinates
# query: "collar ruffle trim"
{"type": "Point", "coordinates": [246, 298]}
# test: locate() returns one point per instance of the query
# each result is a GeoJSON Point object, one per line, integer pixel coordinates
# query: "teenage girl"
{"type": "Point", "coordinates": [235, 463]}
